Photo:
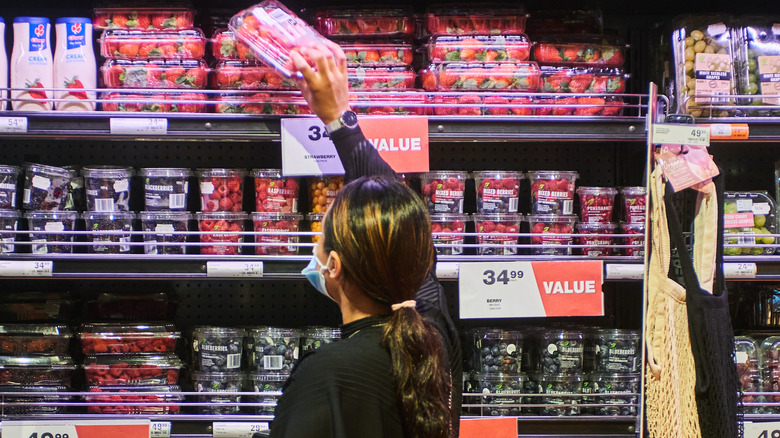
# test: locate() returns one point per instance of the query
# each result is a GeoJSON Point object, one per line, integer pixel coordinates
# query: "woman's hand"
{"type": "Point", "coordinates": [327, 88]}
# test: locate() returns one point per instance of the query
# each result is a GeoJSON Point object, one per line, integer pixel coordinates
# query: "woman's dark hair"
{"type": "Point", "coordinates": [381, 232]}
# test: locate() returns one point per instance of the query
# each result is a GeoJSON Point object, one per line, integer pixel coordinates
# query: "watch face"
{"type": "Point", "coordinates": [349, 119]}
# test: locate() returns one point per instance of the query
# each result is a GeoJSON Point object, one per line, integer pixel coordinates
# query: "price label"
{"type": "Point", "coordinates": [447, 271]}
{"type": "Point", "coordinates": [618, 271]}
{"type": "Point", "coordinates": [681, 134]}
{"type": "Point", "coordinates": [735, 131]}
{"type": "Point", "coordinates": [76, 429]}
{"type": "Point", "coordinates": [238, 429]}
{"type": "Point", "coordinates": [160, 429]}
{"type": "Point", "coordinates": [307, 149]}
{"type": "Point", "coordinates": [739, 270]}
{"type": "Point", "coordinates": [14, 268]}
{"type": "Point", "coordinates": [138, 126]}
{"type": "Point", "coordinates": [234, 269]}
{"type": "Point", "coordinates": [762, 429]}
{"type": "Point", "coordinates": [13, 125]}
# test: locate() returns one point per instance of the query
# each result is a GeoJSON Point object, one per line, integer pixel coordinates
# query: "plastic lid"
{"type": "Point", "coordinates": [553, 174]}
{"type": "Point", "coordinates": [205, 173]}
{"type": "Point", "coordinates": [498, 174]}
{"type": "Point", "coordinates": [217, 331]}
{"type": "Point", "coordinates": [594, 227]}
{"type": "Point", "coordinates": [73, 20]}
{"type": "Point", "coordinates": [597, 191]}
{"type": "Point", "coordinates": [517, 377]}
{"type": "Point", "coordinates": [112, 328]}
{"type": "Point", "coordinates": [322, 332]}
{"type": "Point", "coordinates": [109, 296]}
{"type": "Point", "coordinates": [278, 332]}
{"type": "Point", "coordinates": [444, 174]}
{"type": "Point", "coordinates": [226, 376]}
{"type": "Point", "coordinates": [37, 361]}
{"type": "Point", "coordinates": [33, 388]}
{"type": "Point", "coordinates": [552, 218]}
{"type": "Point", "coordinates": [561, 377]}
{"type": "Point", "coordinates": [135, 359]}
{"type": "Point", "coordinates": [50, 170]}
{"type": "Point", "coordinates": [96, 390]}
{"type": "Point", "coordinates": [266, 173]}
{"type": "Point", "coordinates": [225, 215]}
{"type": "Point", "coordinates": [32, 20]}
{"type": "Point", "coordinates": [166, 172]}
{"type": "Point", "coordinates": [9, 214]}
{"type": "Point", "coordinates": [498, 217]}
{"type": "Point", "coordinates": [36, 329]}
{"type": "Point", "coordinates": [638, 190]}
{"type": "Point", "coordinates": [491, 9]}
{"type": "Point", "coordinates": [618, 334]}
{"type": "Point", "coordinates": [165, 216]}
{"type": "Point", "coordinates": [52, 215]}
{"type": "Point", "coordinates": [108, 215]}
{"type": "Point", "coordinates": [6, 169]}
{"type": "Point", "coordinates": [106, 172]}
{"type": "Point", "coordinates": [275, 215]}
{"type": "Point", "coordinates": [499, 334]}
{"type": "Point", "coordinates": [132, 34]}
{"type": "Point", "coordinates": [449, 217]}
{"type": "Point", "coordinates": [615, 377]}
{"type": "Point", "coordinates": [563, 334]}
{"type": "Point", "coordinates": [316, 217]}
{"type": "Point", "coordinates": [633, 226]}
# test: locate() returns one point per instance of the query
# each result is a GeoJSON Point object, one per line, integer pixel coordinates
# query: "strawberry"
{"type": "Point", "coordinates": [348, 27]}
{"type": "Point", "coordinates": [469, 99]}
{"type": "Point", "coordinates": [168, 49]}
{"type": "Point", "coordinates": [154, 75]}
{"type": "Point", "coordinates": [556, 82]}
{"type": "Point", "coordinates": [429, 81]}
{"type": "Point", "coordinates": [189, 107]}
{"type": "Point", "coordinates": [612, 108]}
{"type": "Point", "coordinates": [616, 85]}
{"type": "Point", "coordinates": [252, 77]}
{"type": "Point", "coordinates": [522, 110]}
{"type": "Point", "coordinates": [131, 106]}
{"type": "Point", "coordinates": [225, 47]}
{"type": "Point", "coordinates": [546, 53]}
{"type": "Point", "coordinates": [371, 56]}
{"type": "Point", "coordinates": [439, 52]}
{"type": "Point", "coordinates": [36, 83]}
{"type": "Point", "coordinates": [76, 83]}
{"type": "Point", "coordinates": [544, 110]}
{"type": "Point", "coordinates": [560, 110]}
{"type": "Point", "coordinates": [518, 54]}
{"type": "Point", "coordinates": [159, 21]}
{"type": "Point", "coordinates": [580, 83]}
{"type": "Point", "coordinates": [244, 53]}
{"type": "Point", "coordinates": [445, 110]}
{"type": "Point", "coordinates": [392, 55]}
{"type": "Point", "coordinates": [600, 84]}
{"type": "Point", "coordinates": [144, 22]}
{"type": "Point", "coordinates": [613, 57]}
{"type": "Point", "coordinates": [481, 24]}
{"type": "Point", "coordinates": [228, 76]}
{"type": "Point", "coordinates": [496, 111]}
{"type": "Point", "coordinates": [492, 55]}
{"type": "Point", "coordinates": [192, 48]}
{"type": "Point", "coordinates": [128, 50]}
{"type": "Point", "coordinates": [174, 74]}
{"type": "Point", "coordinates": [196, 77]}
{"type": "Point", "coordinates": [571, 53]}
{"type": "Point", "coordinates": [118, 21]}
{"type": "Point", "coordinates": [274, 79]}
{"type": "Point", "coordinates": [473, 78]}
{"type": "Point", "coordinates": [183, 20]}
{"type": "Point", "coordinates": [367, 27]}
{"type": "Point", "coordinates": [149, 50]}
{"type": "Point", "coordinates": [469, 49]}
{"type": "Point", "coordinates": [112, 76]}
{"type": "Point", "coordinates": [157, 104]}
{"type": "Point", "coordinates": [589, 110]}
{"type": "Point", "coordinates": [389, 25]}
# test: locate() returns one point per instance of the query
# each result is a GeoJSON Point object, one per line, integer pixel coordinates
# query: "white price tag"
{"type": "Point", "coordinates": [13, 125]}
{"type": "Point", "coordinates": [41, 428]}
{"type": "Point", "coordinates": [681, 134]}
{"type": "Point", "coordinates": [307, 149]}
{"type": "Point", "coordinates": [739, 270]}
{"type": "Point", "coordinates": [449, 271]}
{"type": "Point", "coordinates": [616, 271]}
{"type": "Point", "coordinates": [238, 429]}
{"type": "Point", "coordinates": [135, 126]}
{"type": "Point", "coordinates": [762, 429]}
{"type": "Point", "coordinates": [234, 269]}
{"type": "Point", "coordinates": [15, 268]}
{"type": "Point", "coordinates": [160, 429]}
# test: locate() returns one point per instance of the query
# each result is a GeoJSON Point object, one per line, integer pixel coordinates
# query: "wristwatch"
{"type": "Point", "coordinates": [348, 119]}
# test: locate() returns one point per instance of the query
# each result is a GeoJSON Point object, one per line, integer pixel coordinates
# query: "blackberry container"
{"type": "Point", "coordinates": [561, 351]}
{"type": "Point", "coordinates": [107, 187]}
{"type": "Point", "coordinates": [313, 338]}
{"type": "Point", "coordinates": [497, 351]}
{"type": "Point", "coordinates": [9, 221]}
{"type": "Point", "coordinates": [8, 177]}
{"type": "Point", "coordinates": [111, 231]}
{"type": "Point", "coordinates": [611, 389]}
{"type": "Point", "coordinates": [273, 349]}
{"type": "Point", "coordinates": [60, 223]}
{"type": "Point", "coordinates": [500, 393]}
{"type": "Point", "coordinates": [36, 370]}
{"type": "Point", "coordinates": [165, 231]}
{"type": "Point", "coordinates": [165, 188]}
{"type": "Point", "coordinates": [267, 383]}
{"type": "Point", "coordinates": [215, 384]}
{"type": "Point", "coordinates": [617, 351]}
{"type": "Point", "coordinates": [34, 339]}
{"type": "Point", "coordinates": [557, 386]}
{"type": "Point", "coordinates": [45, 187]}
{"type": "Point", "coordinates": [217, 349]}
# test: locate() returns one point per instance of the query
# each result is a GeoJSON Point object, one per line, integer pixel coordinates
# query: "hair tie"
{"type": "Point", "coordinates": [407, 303]}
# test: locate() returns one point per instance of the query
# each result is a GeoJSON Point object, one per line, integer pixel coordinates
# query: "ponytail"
{"type": "Point", "coordinates": [420, 372]}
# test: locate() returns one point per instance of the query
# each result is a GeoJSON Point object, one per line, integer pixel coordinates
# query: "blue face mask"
{"type": "Point", "coordinates": [313, 273]}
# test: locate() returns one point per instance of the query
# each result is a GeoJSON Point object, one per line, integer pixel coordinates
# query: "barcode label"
{"type": "Point", "coordinates": [26, 196]}
{"type": "Point", "coordinates": [124, 248]}
{"type": "Point", "coordinates": [39, 246]}
{"type": "Point", "coordinates": [748, 239]}
{"type": "Point", "coordinates": [721, 100]}
{"type": "Point", "coordinates": [568, 207]}
{"type": "Point", "coordinates": [272, 363]}
{"type": "Point", "coordinates": [150, 247]}
{"type": "Point", "coordinates": [176, 200]}
{"type": "Point", "coordinates": [513, 205]}
{"type": "Point", "coordinates": [7, 245]}
{"type": "Point", "coordinates": [234, 360]}
{"type": "Point", "coordinates": [104, 205]}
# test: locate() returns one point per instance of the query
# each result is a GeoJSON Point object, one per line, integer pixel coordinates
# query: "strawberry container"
{"type": "Point", "coordinates": [136, 44]}
{"type": "Point", "coordinates": [378, 78]}
{"type": "Point", "coordinates": [138, 369]}
{"type": "Point", "coordinates": [9, 222]}
{"type": "Point", "coordinates": [365, 21]}
{"type": "Point", "coordinates": [389, 103]}
{"type": "Point", "coordinates": [272, 31]}
{"type": "Point", "coordinates": [129, 307]}
{"type": "Point", "coordinates": [267, 222]}
{"type": "Point", "coordinates": [57, 225]}
{"type": "Point", "coordinates": [155, 73]}
{"type": "Point", "coordinates": [276, 103]}
{"type": "Point", "coordinates": [552, 229]}
{"type": "Point", "coordinates": [378, 54]}
{"type": "Point", "coordinates": [566, 21]}
{"type": "Point", "coordinates": [596, 204]}
{"type": "Point", "coordinates": [273, 349]}
{"type": "Point", "coordinates": [465, 19]}
{"type": "Point", "coordinates": [45, 187]}
{"type": "Point", "coordinates": [448, 223]}
{"type": "Point", "coordinates": [156, 399]}
{"type": "Point", "coordinates": [34, 339]}
{"type": "Point", "coordinates": [322, 192]}
{"type": "Point", "coordinates": [579, 51]}
{"type": "Point", "coordinates": [124, 338]}
{"type": "Point", "coordinates": [274, 192]}
{"type": "Point", "coordinates": [143, 18]}
{"type": "Point", "coordinates": [217, 383]}
{"type": "Point", "coordinates": [749, 216]}
{"type": "Point", "coordinates": [443, 191]}
{"type": "Point", "coordinates": [110, 231]}
{"type": "Point", "coordinates": [634, 204]}
{"type": "Point", "coordinates": [497, 233]}
{"type": "Point", "coordinates": [552, 191]}
{"type": "Point", "coordinates": [758, 54]}
{"type": "Point", "coordinates": [8, 177]}
{"type": "Point", "coordinates": [492, 76]}
{"type": "Point", "coordinates": [165, 188]}
{"type": "Point", "coordinates": [478, 104]}
{"type": "Point", "coordinates": [315, 224]}
{"type": "Point", "coordinates": [107, 187]}
{"type": "Point", "coordinates": [36, 400]}
{"type": "Point", "coordinates": [702, 47]}
{"type": "Point", "coordinates": [604, 105]}
{"type": "Point", "coordinates": [225, 46]}
{"type": "Point", "coordinates": [155, 102]}
{"type": "Point", "coordinates": [636, 238]}
{"type": "Point", "coordinates": [497, 190]}
{"type": "Point", "coordinates": [479, 48]}
{"type": "Point", "coordinates": [165, 230]}
{"type": "Point", "coordinates": [36, 370]}
{"type": "Point", "coordinates": [582, 80]}
{"type": "Point", "coordinates": [249, 75]}
{"type": "Point", "coordinates": [746, 359]}
{"type": "Point", "coordinates": [598, 246]}
{"type": "Point", "coordinates": [222, 232]}
{"type": "Point", "coordinates": [221, 189]}
{"type": "Point", "coordinates": [271, 383]}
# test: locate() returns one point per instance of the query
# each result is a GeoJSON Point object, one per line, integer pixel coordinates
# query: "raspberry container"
{"type": "Point", "coordinates": [9, 221]}
{"type": "Point", "coordinates": [443, 191]}
{"type": "Point", "coordinates": [165, 188]}
{"type": "Point", "coordinates": [497, 191]}
{"type": "Point", "coordinates": [465, 19]}
{"type": "Point", "coordinates": [313, 338]}
{"type": "Point", "coordinates": [216, 383]}
{"type": "Point", "coordinates": [143, 18]}
{"type": "Point", "coordinates": [222, 232]}
{"type": "Point", "coordinates": [448, 223]}
{"type": "Point", "coordinates": [561, 351]}
{"type": "Point", "coordinates": [315, 224]}
{"type": "Point", "coordinates": [34, 339]}
{"type": "Point", "coordinates": [125, 338]}
{"type": "Point", "coordinates": [749, 216]}
{"type": "Point", "coordinates": [497, 351]}
{"type": "Point", "coordinates": [598, 246]}
{"type": "Point", "coordinates": [379, 78]}
{"type": "Point", "coordinates": [485, 76]}
{"type": "Point", "coordinates": [478, 104]}
{"type": "Point", "coordinates": [123, 73]}
{"type": "Point", "coordinates": [36, 370]}
{"type": "Point", "coordinates": [274, 192]}
{"type": "Point", "coordinates": [157, 398]}
{"type": "Point", "coordinates": [747, 361]}
{"type": "Point", "coordinates": [579, 51]}
{"type": "Point", "coordinates": [703, 64]}
{"type": "Point", "coordinates": [155, 102]}
{"type": "Point", "coordinates": [165, 228]}
{"type": "Point", "coordinates": [563, 384]}
{"type": "Point", "coordinates": [225, 47]}
{"type": "Point", "coordinates": [108, 188]}
{"type": "Point", "coordinates": [582, 80]}
{"type": "Point", "coordinates": [217, 349]}
{"type": "Point", "coordinates": [274, 103]}
{"type": "Point", "coordinates": [167, 44]}
{"type": "Point", "coordinates": [634, 202]}
{"type": "Point", "coordinates": [138, 369]}
{"type": "Point", "coordinates": [49, 307]}
{"type": "Point", "coordinates": [491, 229]}
{"type": "Point", "coordinates": [58, 222]}
{"type": "Point", "coordinates": [38, 400]}
{"type": "Point", "coordinates": [45, 187]}
{"type": "Point", "coordinates": [111, 232]}
{"type": "Point", "coordinates": [500, 393]}
{"type": "Point", "coordinates": [378, 54]}
{"type": "Point", "coordinates": [596, 204]}
{"type": "Point", "coordinates": [133, 307]}
{"type": "Point", "coordinates": [637, 239]}
{"type": "Point", "coordinates": [566, 21]}
{"type": "Point", "coordinates": [271, 383]}
{"type": "Point", "coordinates": [8, 177]}
{"type": "Point", "coordinates": [221, 189]}
{"type": "Point", "coordinates": [758, 52]}
{"type": "Point", "coordinates": [479, 48]}
{"type": "Point", "coordinates": [612, 389]}
{"type": "Point", "coordinates": [365, 22]}
{"type": "Point", "coordinates": [544, 224]}
{"type": "Point", "coordinates": [770, 368]}
{"type": "Point", "coordinates": [552, 192]}
{"type": "Point", "coordinates": [273, 349]}
{"type": "Point", "coordinates": [390, 102]}
{"type": "Point", "coordinates": [322, 192]}
{"type": "Point", "coordinates": [617, 351]}
{"type": "Point", "coordinates": [276, 222]}
{"type": "Point", "coordinates": [249, 75]}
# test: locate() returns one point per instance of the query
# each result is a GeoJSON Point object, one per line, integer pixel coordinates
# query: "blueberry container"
{"type": "Point", "coordinates": [613, 390]}
{"type": "Point", "coordinates": [500, 393]}
{"type": "Point", "coordinates": [617, 351]}
{"type": "Point", "coordinates": [45, 187]}
{"type": "Point", "coordinates": [36, 370]}
{"type": "Point", "coordinates": [8, 177]}
{"type": "Point", "coordinates": [561, 351]}
{"type": "Point", "coordinates": [497, 351]}
{"type": "Point", "coordinates": [217, 349]}
{"type": "Point", "coordinates": [107, 187]}
{"type": "Point", "coordinates": [313, 338]}
{"type": "Point", "coordinates": [164, 231]}
{"type": "Point", "coordinates": [271, 385]}
{"type": "Point", "coordinates": [58, 223]}
{"type": "Point", "coordinates": [218, 386]}
{"type": "Point", "coordinates": [165, 188]}
{"type": "Point", "coordinates": [564, 392]}
{"type": "Point", "coordinates": [9, 222]}
{"type": "Point", "coordinates": [273, 349]}
{"type": "Point", "coordinates": [111, 232]}
{"type": "Point", "coordinates": [34, 339]}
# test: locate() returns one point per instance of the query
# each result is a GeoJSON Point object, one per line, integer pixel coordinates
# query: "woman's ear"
{"type": "Point", "coordinates": [334, 267]}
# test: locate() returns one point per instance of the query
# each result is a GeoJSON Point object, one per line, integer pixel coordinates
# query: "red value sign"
{"type": "Point", "coordinates": [401, 141]}
{"type": "Point", "coordinates": [488, 428]}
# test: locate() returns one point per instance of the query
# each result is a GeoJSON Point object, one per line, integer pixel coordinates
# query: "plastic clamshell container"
{"type": "Point", "coordinates": [596, 204]}
{"type": "Point", "coordinates": [217, 383]}
{"type": "Point", "coordinates": [45, 187]}
{"type": "Point", "coordinates": [749, 215]}
{"type": "Point", "coordinates": [390, 102]}
{"type": "Point", "coordinates": [167, 227]}
{"type": "Point", "coordinates": [273, 349]}
{"type": "Point", "coordinates": [702, 46]}
{"type": "Point", "coordinates": [276, 103]}
{"type": "Point", "coordinates": [379, 78]}
{"type": "Point", "coordinates": [580, 51]}
{"type": "Point", "coordinates": [221, 189]}
{"type": "Point", "coordinates": [479, 48]}
{"type": "Point", "coordinates": [217, 349]}
{"type": "Point", "coordinates": [566, 21]}
{"type": "Point", "coordinates": [8, 178]}
{"type": "Point", "coordinates": [158, 399]}
{"type": "Point", "coordinates": [758, 54]}
{"type": "Point", "coordinates": [155, 102]}
{"type": "Point", "coordinates": [111, 232]}
{"type": "Point", "coordinates": [322, 191]}
{"type": "Point", "coordinates": [481, 104]}
{"type": "Point", "coordinates": [143, 18]}
{"type": "Point", "coordinates": [223, 230]}
{"type": "Point", "coordinates": [473, 19]}
{"type": "Point", "coordinates": [165, 188]}
{"type": "Point", "coordinates": [634, 204]}
{"type": "Point", "coordinates": [491, 229]}
{"type": "Point", "coordinates": [313, 338]}
{"type": "Point", "coordinates": [136, 44]}
{"type": "Point", "coordinates": [589, 234]}
{"type": "Point", "coordinates": [497, 190]}
{"type": "Point", "coordinates": [365, 21]}
{"type": "Point", "coordinates": [249, 75]}
{"type": "Point", "coordinates": [9, 221]}
{"type": "Point", "coordinates": [552, 191]}
{"type": "Point", "coordinates": [558, 226]}
{"type": "Point", "coordinates": [225, 46]}
{"type": "Point", "coordinates": [36, 401]}
{"type": "Point", "coordinates": [443, 191]}
{"type": "Point", "coordinates": [499, 393]}
{"type": "Point", "coordinates": [107, 188]}
{"type": "Point", "coordinates": [475, 76]}
{"type": "Point", "coordinates": [36, 370]}
{"type": "Point", "coordinates": [272, 31]}
{"type": "Point", "coordinates": [34, 339]}
{"type": "Point", "coordinates": [267, 383]}
{"type": "Point", "coordinates": [378, 54]}
{"type": "Point", "coordinates": [60, 223]}
{"type": "Point", "coordinates": [139, 369]}
{"type": "Point", "coordinates": [276, 244]}
{"type": "Point", "coordinates": [49, 307]}
{"type": "Point", "coordinates": [138, 307]}
{"type": "Point", "coordinates": [155, 73]}
{"type": "Point", "coordinates": [448, 223]}
{"type": "Point", "coordinates": [582, 80]}
{"type": "Point", "coordinates": [123, 338]}
{"type": "Point", "coordinates": [274, 192]}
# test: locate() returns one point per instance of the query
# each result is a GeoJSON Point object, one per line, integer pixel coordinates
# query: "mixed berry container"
{"type": "Point", "coordinates": [597, 246]}
{"type": "Point", "coordinates": [497, 233]}
{"type": "Point", "coordinates": [45, 187]}
{"type": "Point", "coordinates": [274, 192]}
{"type": "Point", "coordinates": [8, 177]}
{"type": "Point", "coordinates": [111, 232]}
{"type": "Point", "coordinates": [34, 339]}
{"type": "Point", "coordinates": [552, 192]}
{"type": "Point", "coordinates": [217, 349]}
{"type": "Point", "coordinates": [443, 191]}
{"type": "Point", "coordinates": [276, 244]}
{"type": "Point", "coordinates": [552, 229]}
{"type": "Point", "coordinates": [107, 188]}
{"type": "Point", "coordinates": [127, 338]}
{"type": "Point", "coordinates": [221, 189]}
{"type": "Point", "coordinates": [165, 230]}
{"type": "Point", "coordinates": [165, 188]}
{"type": "Point", "coordinates": [448, 223]}
{"type": "Point", "coordinates": [60, 223]}
{"type": "Point", "coordinates": [167, 44]}
{"type": "Point", "coordinates": [497, 191]}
